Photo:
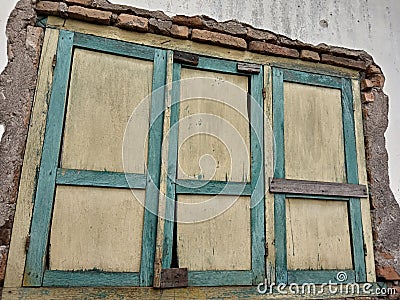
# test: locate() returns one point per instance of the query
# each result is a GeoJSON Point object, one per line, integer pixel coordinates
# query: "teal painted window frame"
{"type": "Point", "coordinates": [51, 175]}
{"type": "Point", "coordinates": [255, 188]}
{"type": "Point", "coordinates": [283, 275]}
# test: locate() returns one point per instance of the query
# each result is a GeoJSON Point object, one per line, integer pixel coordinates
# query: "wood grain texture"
{"type": "Point", "coordinates": [249, 68]}
{"type": "Point", "coordinates": [314, 142]}
{"type": "Point", "coordinates": [230, 292]}
{"type": "Point", "coordinates": [166, 42]}
{"type": "Point", "coordinates": [316, 231]}
{"type": "Point", "coordinates": [214, 134]}
{"type": "Point", "coordinates": [96, 228]}
{"type": "Point", "coordinates": [161, 223]}
{"type": "Point", "coordinates": [292, 186]}
{"type": "Point", "coordinates": [100, 179]}
{"type": "Point", "coordinates": [269, 171]}
{"type": "Point", "coordinates": [99, 108]}
{"type": "Point", "coordinates": [41, 216]}
{"type": "Point", "coordinates": [89, 278]}
{"type": "Point", "coordinates": [32, 157]}
{"type": "Point", "coordinates": [221, 243]}
{"type": "Point", "coordinates": [362, 178]}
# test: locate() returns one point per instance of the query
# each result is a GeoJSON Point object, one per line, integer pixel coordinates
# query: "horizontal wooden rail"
{"type": "Point", "coordinates": [291, 186]}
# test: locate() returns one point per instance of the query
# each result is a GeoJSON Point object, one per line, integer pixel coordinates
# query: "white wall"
{"type": "Point", "coordinates": [371, 25]}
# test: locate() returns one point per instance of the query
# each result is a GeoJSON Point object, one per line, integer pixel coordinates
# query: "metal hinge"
{"type": "Point", "coordinates": [27, 242]}
{"type": "Point", "coordinates": [54, 60]}
{"type": "Point", "coordinates": [186, 58]}
{"type": "Point", "coordinates": [174, 277]}
{"type": "Point", "coordinates": [264, 93]}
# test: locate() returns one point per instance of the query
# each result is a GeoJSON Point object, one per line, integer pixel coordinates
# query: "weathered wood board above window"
{"type": "Point", "coordinates": [186, 184]}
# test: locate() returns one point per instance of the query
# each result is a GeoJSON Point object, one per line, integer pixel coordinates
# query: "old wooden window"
{"type": "Point", "coordinates": [215, 210]}
{"type": "Point", "coordinates": [87, 228]}
{"type": "Point", "coordinates": [317, 205]}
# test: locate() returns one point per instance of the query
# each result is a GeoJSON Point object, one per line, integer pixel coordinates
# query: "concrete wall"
{"type": "Point", "coordinates": [371, 25]}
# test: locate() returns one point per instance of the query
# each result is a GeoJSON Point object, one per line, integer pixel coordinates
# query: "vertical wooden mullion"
{"type": "Point", "coordinates": [279, 172]}
{"type": "Point", "coordinates": [352, 177]}
{"type": "Point", "coordinates": [153, 168]}
{"type": "Point", "coordinates": [257, 179]}
{"type": "Point", "coordinates": [172, 168]}
{"type": "Point", "coordinates": [40, 227]}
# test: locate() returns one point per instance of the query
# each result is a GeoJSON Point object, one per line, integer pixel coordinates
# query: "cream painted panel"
{"type": "Point", "coordinates": [317, 233]}
{"type": "Point", "coordinates": [214, 131]}
{"type": "Point", "coordinates": [314, 145]}
{"type": "Point", "coordinates": [220, 243]}
{"type": "Point", "coordinates": [104, 91]}
{"type": "Point", "coordinates": [96, 228]}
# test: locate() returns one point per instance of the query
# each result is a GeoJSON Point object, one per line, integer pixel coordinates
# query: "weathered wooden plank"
{"type": "Point", "coordinates": [320, 277]}
{"type": "Point", "coordinates": [187, 186]}
{"type": "Point", "coordinates": [164, 175]}
{"type": "Point", "coordinates": [202, 246]}
{"type": "Point", "coordinates": [362, 178]}
{"type": "Point", "coordinates": [223, 292]}
{"type": "Point", "coordinates": [257, 178]}
{"type": "Point", "coordinates": [269, 171]}
{"type": "Point", "coordinates": [279, 172]}
{"type": "Point", "coordinates": [174, 277]}
{"type": "Point", "coordinates": [217, 65]}
{"type": "Point", "coordinates": [311, 79]}
{"type": "Point", "coordinates": [172, 168]}
{"type": "Point", "coordinates": [89, 278]}
{"type": "Point", "coordinates": [114, 46]}
{"type": "Point", "coordinates": [186, 58]}
{"type": "Point", "coordinates": [220, 278]}
{"type": "Point", "coordinates": [36, 257]}
{"type": "Point", "coordinates": [214, 129]}
{"type": "Point", "coordinates": [315, 230]}
{"type": "Point", "coordinates": [352, 177]}
{"type": "Point", "coordinates": [32, 157]}
{"type": "Point", "coordinates": [313, 134]}
{"type": "Point", "coordinates": [249, 68]}
{"type": "Point", "coordinates": [99, 108]}
{"type": "Point", "coordinates": [292, 186]}
{"type": "Point", "coordinates": [100, 179]}
{"type": "Point", "coordinates": [96, 228]}
{"type": "Point", "coordinates": [153, 168]}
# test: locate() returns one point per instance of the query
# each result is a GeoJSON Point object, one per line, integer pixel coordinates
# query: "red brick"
{"type": "Point", "coordinates": [343, 62]}
{"type": "Point", "coordinates": [181, 32]}
{"type": "Point", "coordinates": [366, 84]}
{"type": "Point", "coordinates": [33, 40]}
{"type": "Point", "coordinates": [195, 21]}
{"type": "Point", "coordinates": [132, 22]}
{"type": "Point", "coordinates": [309, 55]}
{"type": "Point", "coordinates": [88, 14]}
{"type": "Point", "coordinates": [387, 272]}
{"type": "Point", "coordinates": [218, 39]}
{"type": "Point", "coordinates": [368, 97]}
{"type": "Point", "coordinates": [266, 48]}
{"type": "Point", "coordinates": [50, 8]}
{"type": "Point", "coordinates": [377, 80]}
{"type": "Point", "coordinates": [373, 69]}
{"type": "Point", "coordinates": [80, 2]}
{"type": "Point", "coordinates": [256, 34]}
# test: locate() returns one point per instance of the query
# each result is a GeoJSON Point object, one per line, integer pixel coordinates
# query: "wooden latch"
{"type": "Point", "coordinates": [174, 277]}
{"type": "Point", "coordinates": [186, 58]}
{"type": "Point", "coordinates": [249, 68]}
